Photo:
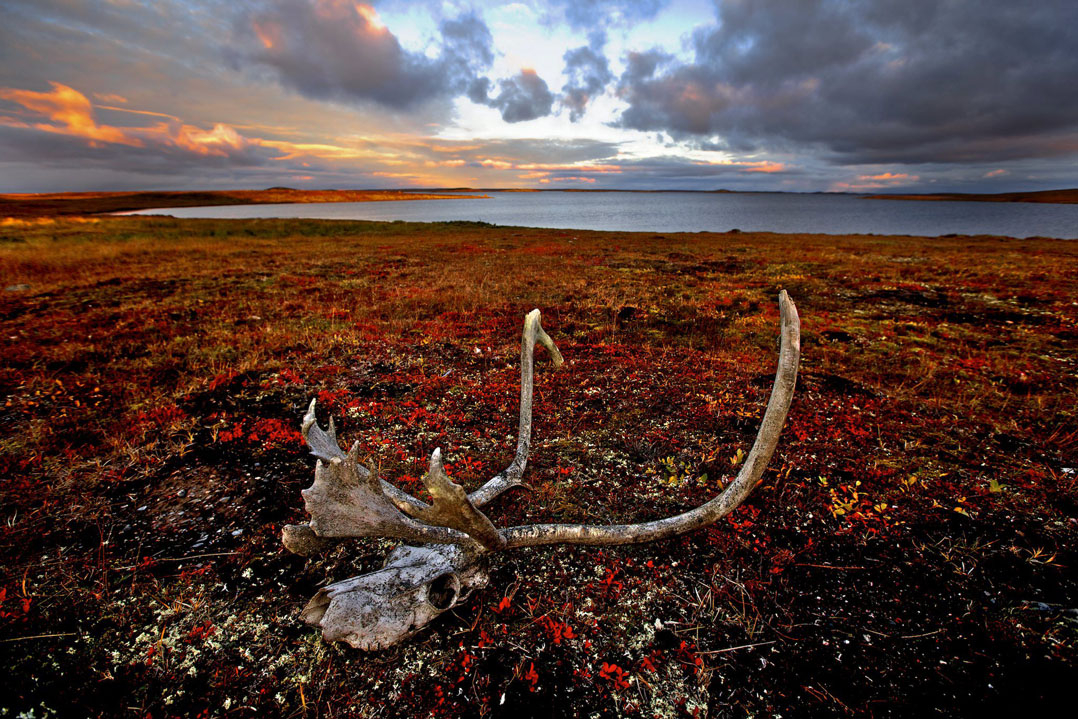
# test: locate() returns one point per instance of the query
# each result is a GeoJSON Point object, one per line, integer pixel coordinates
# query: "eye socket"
{"type": "Point", "coordinates": [442, 592]}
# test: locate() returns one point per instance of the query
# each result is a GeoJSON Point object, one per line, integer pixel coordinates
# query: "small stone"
{"type": "Point", "coordinates": [16, 288]}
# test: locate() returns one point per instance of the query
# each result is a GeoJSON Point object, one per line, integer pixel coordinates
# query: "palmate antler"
{"type": "Point", "coordinates": [418, 583]}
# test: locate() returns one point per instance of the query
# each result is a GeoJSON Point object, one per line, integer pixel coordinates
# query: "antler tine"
{"type": "Point", "coordinates": [452, 508]}
{"type": "Point", "coordinates": [350, 500]}
{"type": "Point", "coordinates": [323, 444]}
{"type": "Point", "coordinates": [510, 476]}
{"type": "Point", "coordinates": [766, 440]}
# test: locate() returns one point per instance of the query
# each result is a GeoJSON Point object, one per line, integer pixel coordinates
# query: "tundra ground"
{"type": "Point", "coordinates": [911, 550]}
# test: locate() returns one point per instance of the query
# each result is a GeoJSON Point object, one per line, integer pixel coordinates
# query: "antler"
{"type": "Point", "coordinates": [379, 609]}
{"type": "Point", "coordinates": [510, 476]}
{"type": "Point", "coordinates": [348, 499]}
{"type": "Point", "coordinates": [735, 493]}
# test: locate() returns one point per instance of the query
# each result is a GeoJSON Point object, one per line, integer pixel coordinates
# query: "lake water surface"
{"type": "Point", "coordinates": [692, 212]}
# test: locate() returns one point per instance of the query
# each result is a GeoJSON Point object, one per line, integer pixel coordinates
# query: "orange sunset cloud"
{"type": "Point", "coordinates": [72, 112]}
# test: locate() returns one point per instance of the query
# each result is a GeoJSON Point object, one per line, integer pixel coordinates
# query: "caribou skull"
{"type": "Point", "coordinates": [382, 608]}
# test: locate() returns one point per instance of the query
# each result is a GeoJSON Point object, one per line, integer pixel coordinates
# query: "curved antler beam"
{"type": "Point", "coordinates": [510, 476]}
{"type": "Point", "coordinates": [735, 493]}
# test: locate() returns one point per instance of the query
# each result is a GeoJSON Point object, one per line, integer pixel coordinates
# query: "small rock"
{"type": "Point", "coordinates": [182, 493]}
{"type": "Point", "coordinates": [16, 288]}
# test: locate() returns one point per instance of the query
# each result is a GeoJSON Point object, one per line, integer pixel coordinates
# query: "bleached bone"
{"type": "Point", "coordinates": [379, 609]}
{"type": "Point", "coordinates": [453, 509]}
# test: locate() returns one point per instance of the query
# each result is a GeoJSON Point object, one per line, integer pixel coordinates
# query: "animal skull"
{"type": "Point", "coordinates": [382, 608]}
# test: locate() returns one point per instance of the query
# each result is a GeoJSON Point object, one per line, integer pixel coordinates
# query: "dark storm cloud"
{"type": "Point", "coordinates": [525, 96]}
{"type": "Point", "coordinates": [331, 49]}
{"type": "Point", "coordinates": [906, 81]}
{"type": "Point", "coordinates": [588, 73]}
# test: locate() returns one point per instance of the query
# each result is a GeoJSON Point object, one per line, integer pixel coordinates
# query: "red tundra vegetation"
{"type": "Point", "coordinates": [912, 548]}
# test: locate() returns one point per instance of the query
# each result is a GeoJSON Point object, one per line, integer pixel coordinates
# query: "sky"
{"type": "Point", "coordinates": [784, 95]}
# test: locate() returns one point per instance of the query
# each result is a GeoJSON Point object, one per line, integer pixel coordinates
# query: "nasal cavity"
{"type": "Point", "coordinates": [443, 591]}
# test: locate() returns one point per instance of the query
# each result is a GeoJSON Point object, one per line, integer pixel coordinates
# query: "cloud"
{"type": "Point", "coordinates": [525, 96]}
{"type": "Point", "coordinates": [466, 46]}
{"type": "Point", "coordinates": [110, 99]}
{"type": "Point", "coordinates": [589, 74]}
{"type": "Point", "coordinates": [667, 172]}
{"type": "Point", "coordinates": [70, 112]}
{"type": "Point", "coordinates": [879, 181]}
{"type": "Point", "coordinates": [55, 136]}
{"type": "Point", "coordinates": [60, 127]}
{"type": "Point", "coordinates": [901, 81]}
{"type": "Point", "coordinates": [508, 162]}
{"type": "Point", "coordinates": [591, 14]}
{"type": "Point", "coordinates": [341, 50]}
{"type": "Point", "coordinates": [529, 151]}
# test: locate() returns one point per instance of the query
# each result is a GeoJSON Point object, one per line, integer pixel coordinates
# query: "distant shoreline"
{"type": "Point", "coordinates": [94, 203]}
{"type": "Point", "coordinates": [1058, 197]}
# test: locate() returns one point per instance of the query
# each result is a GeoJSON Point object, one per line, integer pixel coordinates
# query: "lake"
{"type": "Point", "coordinates": [692, 212]}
